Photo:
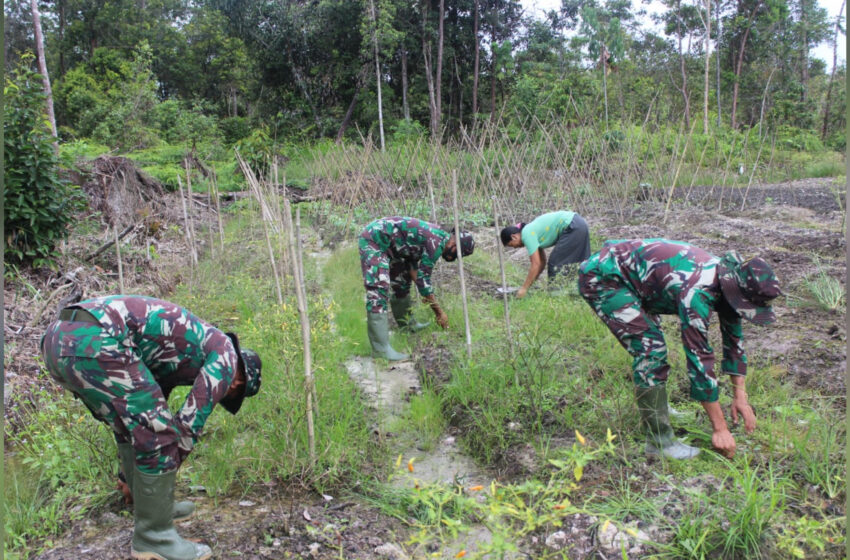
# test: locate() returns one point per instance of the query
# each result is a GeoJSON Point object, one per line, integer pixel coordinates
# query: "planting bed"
{"type": "Point", "coordinates": [795, 226]}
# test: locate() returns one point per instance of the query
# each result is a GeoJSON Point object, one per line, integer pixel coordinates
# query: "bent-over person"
{"type": "Point", "coordinates": [629, 283]}
{"type": "Point", "coordinates": [565, 231]}
{"type": "Point", "coordinates": [121, 356]}
{"type": "Point", "coordinates": [395, 252]}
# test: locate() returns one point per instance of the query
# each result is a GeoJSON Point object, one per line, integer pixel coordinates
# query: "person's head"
{"type": "Point", "coordinates": [246, 382]}
{"type": "Point", "coordinates": [467, 245]}
{"type": "Point", "coordinates": [512, 236]}
{"type": "Point", "coordinates": [749, 287]}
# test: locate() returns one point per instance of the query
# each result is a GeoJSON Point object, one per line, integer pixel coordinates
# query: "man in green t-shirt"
{"type": "Point", "coordinates": [566, 231]}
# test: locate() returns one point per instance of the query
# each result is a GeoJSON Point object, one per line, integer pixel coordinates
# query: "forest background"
{"type": "Point", "coordinates": [137, 74]}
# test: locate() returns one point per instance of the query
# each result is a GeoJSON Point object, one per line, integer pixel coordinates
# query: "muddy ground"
{"type": "Point", "coordinates": [791, 225]}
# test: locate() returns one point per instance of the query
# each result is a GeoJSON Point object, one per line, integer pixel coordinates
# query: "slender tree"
{"type": "Point", "coordinates": [826, 106]}
{"type": "Point", "coordinates": [42, 68]}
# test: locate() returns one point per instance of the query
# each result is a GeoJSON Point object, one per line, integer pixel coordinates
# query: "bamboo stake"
{"type": "Point", "coordinates": [189, 240]}
{"type": "Point", "coordinates": [191, 219]}
{"type": "Point", "coordinates": [120, 266]}
{"type": "Point", "coordinates": [433, 205]}
{"type": "Point", "coordinates": [210, 228]}
{"type": "Point", "coordinates": [303, 284]}
{"type": "Point", "coordinates": [305, 337]}
{"type": "Point", "coordinates": [504, 285]}
{"type": "Point", "coordinates": [218, 213]}
{"type": "Point", "coordinates": [460, 268]}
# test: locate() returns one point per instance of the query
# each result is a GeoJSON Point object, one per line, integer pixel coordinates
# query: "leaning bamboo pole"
{"type": "Point", "coordinates": [303, 286]}
{"type": "Point", "coordinates": [460, 268]}
{"type": "Point", "coordinates": [191, 218]}
{"type": "Point", "coordinates": [118, 254]}
{"type": "Point", "coordinates": [188, 231]}
{"type": "Point", "coordinates": [504, 285]}
{"type": "Point", "coordinates": [305, 335]}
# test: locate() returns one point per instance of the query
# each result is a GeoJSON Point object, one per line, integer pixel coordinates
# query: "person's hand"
{"type": "Point", "coordinates": [740, 405]}
{"type": "Point", "coordinates": [521, 293]}
{"type": "Point", "coordinates": [723, 442]}
{"type": "Point", "coordinates": [441, 318]}
{"type": "Point", "coordinates": [124, 488]}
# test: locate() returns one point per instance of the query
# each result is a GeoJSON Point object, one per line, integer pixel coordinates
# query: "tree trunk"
{"type": "Point", "coordinates": [684, 88]}
{"type": "Point", "coordinates": [804, 63]}
{"type": "Point", "coordinates": [429, 77]}
{"type": "Point", "coordinates": [604, 63]}
{"type": "Point", "coordinates": [493, 72]}
{"type": "Point", "coordinates": [828, 101]}
{"type": "Point", "coordinates": [346, 121]}
{"type": "Point", "coordinates": [42, 68]}
{"type": "Point", "coordinates": [707, 65]}
{"type": "Point", "coordinates": [439, 78]}
{"type": "Point", "coordinates": [61, 7]}
{"type": "Point", "coordinates": [475, 66]}
{"type": "Point", "coordinates": [717, 61]}
{"type": "Point", "coordinates": [377, 72]}
{"type": "Point", "coordinates": [740, 64]}
{"type": "Point", "coordinates": [404, 105]}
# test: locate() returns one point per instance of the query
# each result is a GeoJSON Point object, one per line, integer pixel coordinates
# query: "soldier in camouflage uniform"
{"type": "Point", "coordinates": [629, 283]}
{"type": "Point", "coordinates": [394, 252]}
{"type": "Point", "coordinates": [122, 356]}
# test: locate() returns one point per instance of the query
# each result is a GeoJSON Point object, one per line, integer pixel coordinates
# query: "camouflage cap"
{"type": "Point", "coordinates": [252, 366]}
{"type": "Point", "coordinates": [749, 287]}
{"type": "Point", "coordinates": [467, 246]}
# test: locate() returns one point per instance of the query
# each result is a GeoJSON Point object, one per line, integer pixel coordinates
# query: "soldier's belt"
{"type": "Point", "coordinates": [78, 315]}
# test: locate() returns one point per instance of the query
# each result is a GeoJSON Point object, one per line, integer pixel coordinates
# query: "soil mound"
{"type": "Point", "coordinates": [121, 192]}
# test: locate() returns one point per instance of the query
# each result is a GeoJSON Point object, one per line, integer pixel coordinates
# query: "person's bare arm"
{"type": "Point", "coordinates": [740, 404]}
{"type": "Point", "coordinates": [538, 263]}
{"type": "Point", "coordinates": [721, 438]}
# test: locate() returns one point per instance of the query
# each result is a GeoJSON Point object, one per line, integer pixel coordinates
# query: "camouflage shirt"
{"type": "Point", "coordinates": [673, 277]}
{"type": "Point", "coordinates": [414, 241]}
{"type": "Point", "coordinates": [177, 347]}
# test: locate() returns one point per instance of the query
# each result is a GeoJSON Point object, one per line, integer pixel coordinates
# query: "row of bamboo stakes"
{"type": "Point", "coordinates": [277, 219]}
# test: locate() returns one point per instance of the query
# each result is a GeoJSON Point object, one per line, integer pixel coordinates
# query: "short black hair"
{"type": "Point", "coordinates": [507, 232]}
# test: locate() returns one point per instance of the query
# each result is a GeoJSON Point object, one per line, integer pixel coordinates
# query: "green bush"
{"type": "Point", "coordinates": [38, 204]}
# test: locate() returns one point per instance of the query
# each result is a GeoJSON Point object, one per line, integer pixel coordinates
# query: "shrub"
{"type": "Point", "coordinates": [38, 204]}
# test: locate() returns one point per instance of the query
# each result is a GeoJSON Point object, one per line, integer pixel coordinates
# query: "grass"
{"type": "Point", "coordinates": [826, 290]}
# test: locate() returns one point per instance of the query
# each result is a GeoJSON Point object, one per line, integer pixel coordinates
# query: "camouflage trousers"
{"type": "Point", "coordinates": [380, 274]}
{"type": "Point", "coordinates": [639, 332]}
{"type": "Point", "coordinates": [118, 389]}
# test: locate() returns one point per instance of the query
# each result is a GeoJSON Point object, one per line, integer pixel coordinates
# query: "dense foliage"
{"type": "Point", "coordinates": [131, 75]}
{"type": "Point", "coordinates": [35, 199]}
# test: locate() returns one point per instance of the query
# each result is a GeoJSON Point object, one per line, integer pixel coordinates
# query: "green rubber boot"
{"type": "Point", "coordinates": [154, 535]}
{"type": "Point", "coordinates": [401, 312]}
{"type": "Point", "coordinates": [654, 415]}
{"type": "Point", "coordinates": [182, 510]}
{"type": "Point", "coordinates": [379, 335]}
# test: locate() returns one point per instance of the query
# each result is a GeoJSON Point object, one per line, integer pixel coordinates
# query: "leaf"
{"type": "Point", "coordinates": [578, 472]}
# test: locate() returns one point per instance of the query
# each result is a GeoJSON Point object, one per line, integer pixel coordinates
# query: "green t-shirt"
{"type": "Point", "coordinates": [544, 230]}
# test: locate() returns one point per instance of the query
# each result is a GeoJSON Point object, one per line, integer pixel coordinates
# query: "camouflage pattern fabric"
{"type": "Point", "coordinates": [389, 249]}
{"type": "Point", "coordinates": [629, 283]}
{"type": "Point", "coordinates": [125, 367]}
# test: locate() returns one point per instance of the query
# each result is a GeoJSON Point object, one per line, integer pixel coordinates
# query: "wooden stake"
{"type": "Point", "coordinates": [460, 267]}
{"type": "Point", "coordinates": [433, 205]}
{"type": "Point", "coordinates": [504, 285]}
{"type": "Point", "coordinates": [218, 213]}
{"type": "Point", "coordinates": [303, 283]}
{"type": "Point", "coordinates": [186, 225]}
{"type": "Point", "coordinates": [305, 337]}
{"type": "Point", "coordinates": [191, 219]}
{"type": "Point", "coordinates": [210, 228]}
{"type": "Point", "coordinates": [120, 266]}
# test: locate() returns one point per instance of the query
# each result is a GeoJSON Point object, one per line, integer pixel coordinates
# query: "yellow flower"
{"type": "Point", "coordinates": [460, 554]}
{"type": "Point", "coordinates": [610, 437]}
{"type": "Point", "coordinates": [410, 464]}
{"type": "Point", "coordinates": [398, 461]}
{"type": "Point", "coordinates": [580, 438]}
{"type": "Point", "coordinates": [475, 488]}
{"type": "Point", "coordinates": [605, 525]}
